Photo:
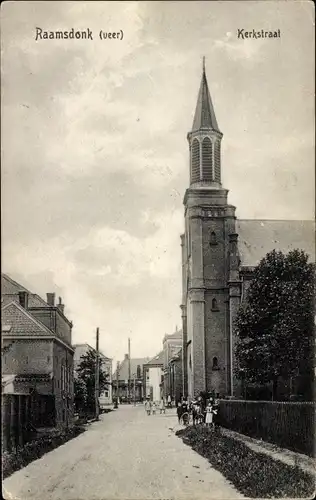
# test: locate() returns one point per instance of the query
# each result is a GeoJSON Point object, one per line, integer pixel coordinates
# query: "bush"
{"type": "Point", "coordinates": [255, 475]}
{"type": "Point", "coordinates": [36, 448]}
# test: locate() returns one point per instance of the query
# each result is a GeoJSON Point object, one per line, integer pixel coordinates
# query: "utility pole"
{"type": "Point", "coordinates": [97, 373]}
{"type": "Point", "coordinates": [117, 379]}
{"type": "Point", "coordinates": [129, 371]}
{"type": "Point", "coordinates": [134, 390]}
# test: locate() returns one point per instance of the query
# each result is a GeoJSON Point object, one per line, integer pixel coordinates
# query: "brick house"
{"type": "Point", "coordinates": [171, 347]}
{"type": "Point", "coordinates": [37, 352]}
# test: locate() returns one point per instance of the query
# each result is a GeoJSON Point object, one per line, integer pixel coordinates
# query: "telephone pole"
{"type": "Point", "coordinates": [97, 373]}
{"type": "Point", "coordinates": [129, 371]}
{"type": "Point", "coordinates": [117, 379]}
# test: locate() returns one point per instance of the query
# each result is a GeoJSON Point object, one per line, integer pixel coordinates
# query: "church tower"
{"type": "Point", "coordinates": [209, 259]}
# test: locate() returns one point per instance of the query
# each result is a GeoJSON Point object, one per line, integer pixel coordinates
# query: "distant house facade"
{"type": "Point", "coordinates": [37, 355]}
{"type": "Point", "coordinates": [106, 366]}
{"type": "Point", "coordinates": [172, 345]}
{"type": "Point", "coordinates": [153, 378]}
{"type": "Point", "coordinates": [128, 379]}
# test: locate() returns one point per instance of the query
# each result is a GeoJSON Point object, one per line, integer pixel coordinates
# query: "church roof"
{"type": "Point", "coordinates": [204, 113]}
{"type": "Point", "coordinates": [258, 237]}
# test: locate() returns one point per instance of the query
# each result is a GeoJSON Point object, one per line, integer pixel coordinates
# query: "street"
{"type": "Point", "coordinates": [127, 455]}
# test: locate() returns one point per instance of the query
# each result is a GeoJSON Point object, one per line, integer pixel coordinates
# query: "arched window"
{"type": "Point", "coordinates": [195, 161]}
{"type": "Point", "coordinates": [207, 154]}
{"type": "Point", "coordinates": [213, 240]}
{"type": "Point", "coordinates": [217, 161]}
{"type": "Point", "coordinates": [214, 305]}
{"type": "Point", "coordinates": [215, 363]}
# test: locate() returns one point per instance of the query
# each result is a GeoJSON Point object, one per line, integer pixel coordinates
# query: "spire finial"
{"type": "Point", "coordinates": [204, 64]}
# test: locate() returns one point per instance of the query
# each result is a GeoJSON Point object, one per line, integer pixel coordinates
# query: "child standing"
{"type": "Point", "coordinates": [209, 415]}
{"type": "Point", "coordinates": [154, 408]}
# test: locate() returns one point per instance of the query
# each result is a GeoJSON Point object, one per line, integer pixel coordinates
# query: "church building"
{"type": "Point", "coordinates": [219, 254]}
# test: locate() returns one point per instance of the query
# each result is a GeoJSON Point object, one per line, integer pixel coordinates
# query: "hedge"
{"type": "Point", "coordinates": [288, 424]}
{"type": "Point", "coordinates": [36, 448]}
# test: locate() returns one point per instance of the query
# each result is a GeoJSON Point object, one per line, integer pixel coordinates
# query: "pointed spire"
{"type": "Point", "coordinates": [204, 114]}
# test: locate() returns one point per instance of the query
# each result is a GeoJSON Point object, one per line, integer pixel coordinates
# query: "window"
{"type": "Point", "coordinates": [215, 364]}
{"type": "Point", "coordinates": [217, 161]}
{"type": "Point", "coordinates": [214, 305]}
{"type": "Point", "coordinates": [48, 359]}
{"type": "Point", "coordinates": [213, 240]}
{"type": "Point", "coordinates": [195, 161]}
{"type": "Point", "coordinates": [207, 154]}
{"type": "Point", "coordinates": [138, 372]}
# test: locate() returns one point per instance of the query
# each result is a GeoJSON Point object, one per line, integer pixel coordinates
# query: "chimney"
{"type": "Point", "coordinates": [51, 299]}
{"type": "Point", "coordinates": [60, 305]}
{"type": "Point", "coordinates": [23, 299]}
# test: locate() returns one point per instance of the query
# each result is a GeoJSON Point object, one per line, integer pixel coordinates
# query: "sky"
{"type": "Point", "coordinates": [95, 158]}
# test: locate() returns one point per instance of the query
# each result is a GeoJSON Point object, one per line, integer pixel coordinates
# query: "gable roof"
{"type": "Point", "coordinates": [157, 360]}
{"type": "Point", "coordinates": [10, 292]}
{"type": "Point", "coordinates": [82, 349]}
{"type": "Point", "coordinates": [21, 322]}
{"type": "Point", "coordinates": [258, 237]}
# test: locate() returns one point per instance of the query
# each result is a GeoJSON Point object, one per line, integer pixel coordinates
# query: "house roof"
{"type": "Point", "coordinates": [204, 113]}
{"type": "Point", "coordinates": [258, 237]}
{"type": "Point", "coordinates": [21, 322]}
{"type": "Point", "coordinates": [82, 349]}
{"type": "Point", "coordinates": [177, 335]}
{"type": "Point", "coordinates": [10, 291]}
{"type": "Point", "coordinates": [123, 368]}
{"type": "Point", "coordinates": [157, 360]}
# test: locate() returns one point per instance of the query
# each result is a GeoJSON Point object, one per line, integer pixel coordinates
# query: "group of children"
{"type": "Point", "coordinates": [151, 407]}
{"type": "Point", "coordinates": [200, 413]}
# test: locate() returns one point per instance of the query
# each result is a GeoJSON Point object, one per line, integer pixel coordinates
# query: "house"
{"type": "Point", "coordinates": [219, 254]}
{"type": "Point", "coordinates": [37, 355]}
{"type": "Point", "coordinates": [106, 367]}
{"type": "Point", "coordinates": [153, 378]}
{"type": "Point", "coordinates": [128, 379]}
{"type": "Point", "coordinates": [172, 345]}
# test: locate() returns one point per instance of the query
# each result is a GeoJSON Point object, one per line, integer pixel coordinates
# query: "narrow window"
{"type": "Point", "coordinates": [217, 161]}
{"type": "Point", "coordinates": [195, 161]}
{"type": "Point", "coordinates": [207, 155]}
{"type": "Point", "coordinates": [213, 240]}
{"type": "Point", "coordinates": [215, 363]}
{"type": "Point", "coordinates": [214, 305]}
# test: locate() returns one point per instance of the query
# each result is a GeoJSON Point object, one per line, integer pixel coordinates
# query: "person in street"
{"type": "Point", "coordinates": [169, 401]}
{"type": "Point", "coordinates": [154, 408]}
{"type": "Point", "coordinates": [209, 415]}
{"type": "Point", "coordinates": [148, 406]}
{"type": "Point", "coordinates": [162, 407]}
{"type": "Point", "coordinates": [179, 412]}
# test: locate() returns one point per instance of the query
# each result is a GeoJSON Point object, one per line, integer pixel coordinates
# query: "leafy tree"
{"type": "Point", "coordinates": [85, 380]}
{"type": "Point", "coordinates": [275, 326]}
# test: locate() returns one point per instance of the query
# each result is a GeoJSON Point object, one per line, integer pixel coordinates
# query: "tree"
{"type": "Point", "coordinates": [275, 326]}
{"type": "Point", "coordinates": [85, 381]}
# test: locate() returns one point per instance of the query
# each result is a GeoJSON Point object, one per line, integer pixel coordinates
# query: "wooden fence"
{"type": "Point", "coordinates": [288, 424]}
{"type": "Point", "coordinates": [21, 414]}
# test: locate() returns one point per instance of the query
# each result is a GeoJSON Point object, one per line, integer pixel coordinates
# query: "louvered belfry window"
{"type": "Point", "coordinates": [207, 154]}
{"type": "Point", "coordinates": [217, 158]}
{"type": "Point", "coordinates": [195, 161]}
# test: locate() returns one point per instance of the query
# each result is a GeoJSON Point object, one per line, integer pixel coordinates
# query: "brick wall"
{"type": "Point", "coordinates": [63, 386]}
{"type": "Point", "coordinates": [28, 356]}
{"type": "Point", "coordinates": [216, 341]}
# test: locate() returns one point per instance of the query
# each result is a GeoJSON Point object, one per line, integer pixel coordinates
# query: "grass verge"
{"type": "Point", "coordinates": [255, 475]}
{"type": "Point", "coordinates": [22, 456]}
